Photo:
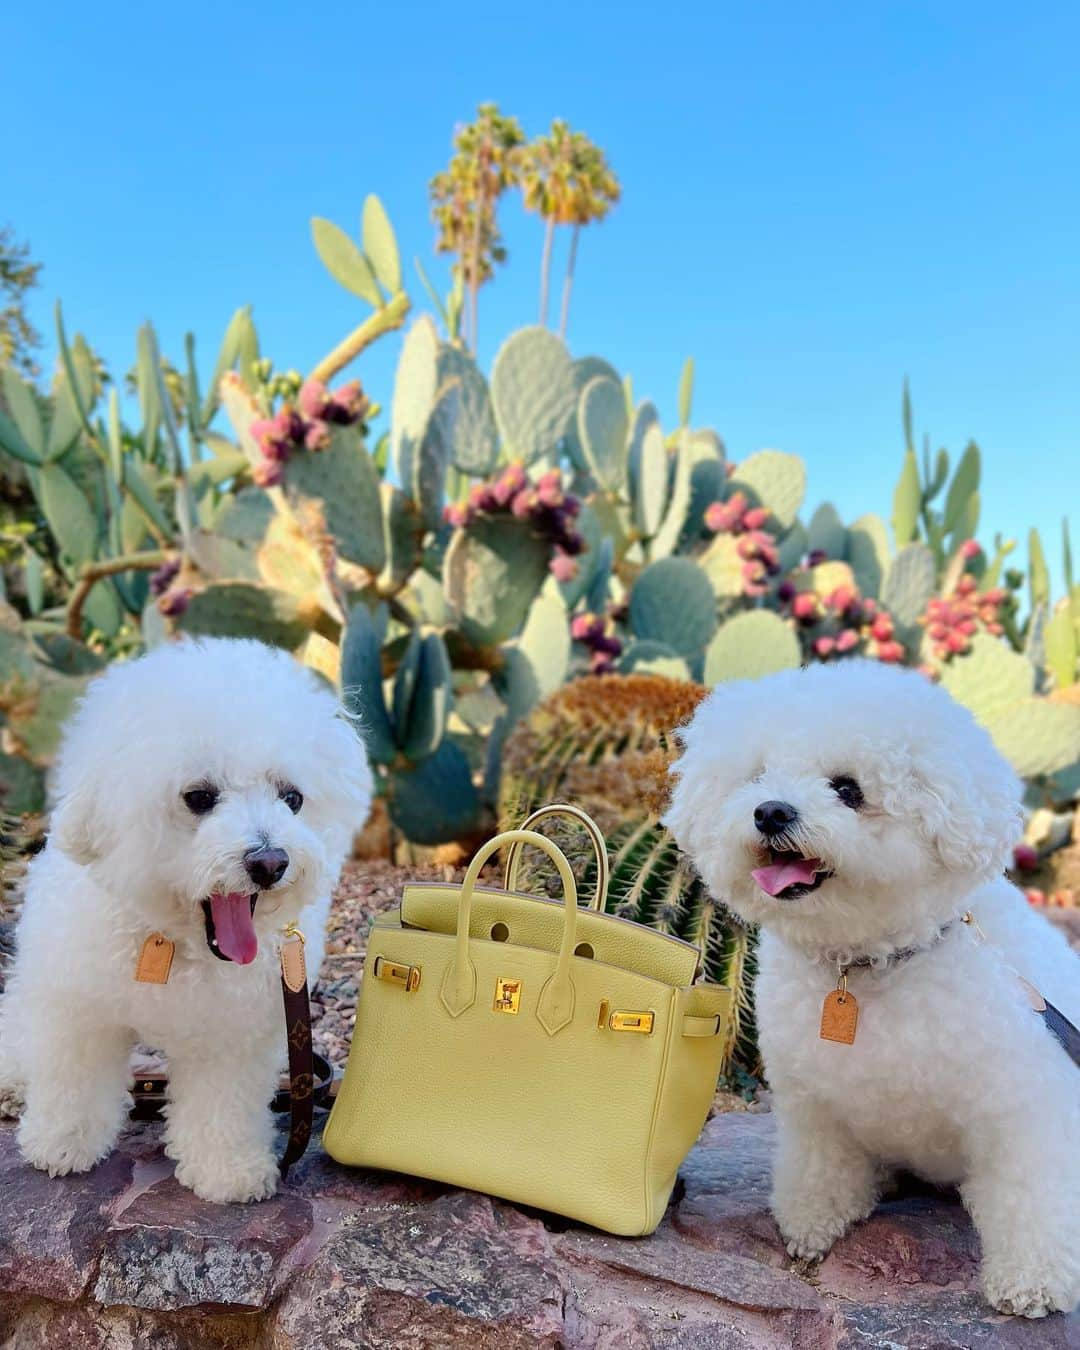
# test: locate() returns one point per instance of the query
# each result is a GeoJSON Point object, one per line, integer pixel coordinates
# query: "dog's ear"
{"type": "Point", "coordinates": [968, 804]}
{"type": "Point", "coordinates": [75, 828]}
{"type": "Point", "coordinates": [713, 757]}
{"type": "Point", "coordinates": [76, 788]}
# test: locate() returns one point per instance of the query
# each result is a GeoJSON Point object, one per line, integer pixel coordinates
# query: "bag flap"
{"type": "Point", "coordinates": [531, 921]}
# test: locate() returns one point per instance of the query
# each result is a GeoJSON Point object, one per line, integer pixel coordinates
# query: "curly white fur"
{"type": "Point", "coordinates": [127, 858]}
{"type": "Point", "coordinates": [951, 1074]}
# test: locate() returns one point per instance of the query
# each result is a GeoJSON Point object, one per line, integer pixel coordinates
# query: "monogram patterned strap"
{"type": "Point", "coordinates": [301, 1073]}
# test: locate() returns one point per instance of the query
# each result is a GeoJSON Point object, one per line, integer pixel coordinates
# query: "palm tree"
{"type": "Point", "coordinates": [567, 181]}
{"type": "Point", "coordinates": [544, 166]}
{"type": "Point", "coordinates": [465, 194]}
{"type": "Point", "coordinates": [592, 189]}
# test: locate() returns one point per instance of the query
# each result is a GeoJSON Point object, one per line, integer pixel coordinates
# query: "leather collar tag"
{"type": "Point", "coordinates": [155, 960]}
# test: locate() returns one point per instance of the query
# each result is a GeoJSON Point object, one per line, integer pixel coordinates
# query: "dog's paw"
{"type": "Point", "coordinates": [1012, 1294]}
{"type": "Point", "coordinates": [230, 1180]}
{"type": "Point", "coordinates": [812, 1240]}
{"type": "Point", "coordinates": [808, 1247]}
{"type": "Point", "coordinates": [61, 1154]}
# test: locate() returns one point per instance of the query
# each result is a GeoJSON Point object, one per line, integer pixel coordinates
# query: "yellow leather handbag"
{"type": "Point", "coordinates": [558, 1057]}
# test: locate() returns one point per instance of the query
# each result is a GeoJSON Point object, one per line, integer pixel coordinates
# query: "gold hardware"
{"type": "Point", "coordinates": [507, 995]}
{"type": "Point", "coordinates": [291, 930]}
{"type": "Point", "coordinates": [601, 1021]}
{"type": "Point", "coordinates": [148, 1087]}
{"type": "Point", "coordinates": [968, 918]}
{"type": "Point", "coordinates": [640, 1022]}
{"type": "Point", "coordinates": [393, 972]}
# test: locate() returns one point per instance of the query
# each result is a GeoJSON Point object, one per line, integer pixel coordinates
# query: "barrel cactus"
{"type": "Point", "coordinates": [606, 744]}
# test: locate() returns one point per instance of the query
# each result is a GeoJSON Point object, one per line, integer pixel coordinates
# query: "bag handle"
{"type": "Point", "coordinates": [555, 1006]}
{"type": "Point", "coordinates": [603, 868]}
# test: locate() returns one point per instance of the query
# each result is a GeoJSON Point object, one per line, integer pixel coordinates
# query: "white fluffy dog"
{"type": "Point", "coordinates": [856, 813]}
{"type": "Point", "coordinates": [208, 792]}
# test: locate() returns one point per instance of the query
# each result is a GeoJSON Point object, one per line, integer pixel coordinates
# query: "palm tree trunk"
{"type": "Point", "coordinates": [568, 283]}
{"type": "Point", "coordinates": [545, 270]}
{"type": "Point", "coordinates": [474, 279]}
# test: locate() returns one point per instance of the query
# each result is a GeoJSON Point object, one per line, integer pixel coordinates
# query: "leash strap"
{"type": "Point", "coordinates": [1055, 1021]}
{"type": "Point", "coordinates": [310, 1075]}
{"type": "Point", "coordinates": [294, 993]}
{"type": "Point", "coordinates": [1063, 1031]}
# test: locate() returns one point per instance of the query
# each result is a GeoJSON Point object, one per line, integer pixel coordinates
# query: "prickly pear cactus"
{"type": "Point", "coordinates": [1038, 736]}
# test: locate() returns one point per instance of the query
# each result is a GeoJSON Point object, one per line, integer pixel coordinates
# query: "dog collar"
{"type": "Point", "coordinates": [896, 957]}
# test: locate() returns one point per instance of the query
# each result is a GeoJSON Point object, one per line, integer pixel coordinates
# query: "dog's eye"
{"type": "Point", "coordinates": [849, 792]}
{"type": "Point", "coordinates": [201, 800]}
{"type": "Point", "coordinates": [293, 798]}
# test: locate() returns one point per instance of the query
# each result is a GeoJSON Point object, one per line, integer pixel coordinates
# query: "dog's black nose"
{"type": "Point", "coordinates": [774, 817]}
{"type": "Point", "coordinates": [265, 866]}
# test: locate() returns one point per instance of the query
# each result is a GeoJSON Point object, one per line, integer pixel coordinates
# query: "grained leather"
{"type": "Point", "coordinates": [588, 1122]}
{"type": "Point", "coordinates": [537, 922]}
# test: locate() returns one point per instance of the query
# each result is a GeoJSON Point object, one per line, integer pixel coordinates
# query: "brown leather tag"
{"type": "Point", "coordinates": [155, 960]}
{"type": "Point", "coordinates": [839, 1017]}
{"type": "Point", "coordinates": [293, 966]}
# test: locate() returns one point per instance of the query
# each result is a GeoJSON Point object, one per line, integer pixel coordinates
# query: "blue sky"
{"type": "Point", "coordinates": [817, 200]}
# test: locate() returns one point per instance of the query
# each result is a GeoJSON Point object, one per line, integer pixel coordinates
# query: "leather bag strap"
{"type": "Point", "coordinates": [603, 868]}
{"type": "Point", "coordinates": [555, 1006]}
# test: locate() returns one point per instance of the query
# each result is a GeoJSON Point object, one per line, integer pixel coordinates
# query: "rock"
{"type": "Point", "coordinates": [461, 1270]}
{"type": "Point", "coordinates": [724, 1205]}
{"type": "Point", "coordinates": [950, 1321]}
{"type": "Point", "coordinates": [167, 1249]}
{"type": "Point", "coordinates": [124, 1258]}
{"type": "Point", "coordinates": [924, 1239]}
{"type": "Point", "coordinates": [52, 1229]}
{"type": "Point", "coordinates": [649, 1293]}
{"type": "Point", "coordinates": [37, 1325]}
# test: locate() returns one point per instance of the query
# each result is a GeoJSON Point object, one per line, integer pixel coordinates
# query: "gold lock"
{"type": "Point", "coordinates": [507, 995]}
{"type": "Point", "coordinates": [393, 972]}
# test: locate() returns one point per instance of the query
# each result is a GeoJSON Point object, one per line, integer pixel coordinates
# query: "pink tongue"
{"type": "Point", "coordinates": [233, 928]}
{"type": "Point", "coordinates": [779, 876]}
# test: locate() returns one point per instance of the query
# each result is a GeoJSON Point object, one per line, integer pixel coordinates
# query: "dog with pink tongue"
{"type": "Point", "coordinates": [205, 796]}
{"type": "Point", "coordinates": [914, 1012]}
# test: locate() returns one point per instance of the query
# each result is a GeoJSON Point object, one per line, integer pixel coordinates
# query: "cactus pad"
{"type": "Point", "coordinates": [774, 480]}
{"type": "Point", "coordinates": [826, 532]}
{"type": "Point", "coordinates": [673, 603]}
{"type": "Point", "coordinates": [868, 553]}
{"type": "Point", "coordinates": [649, 464]}
{"type": "Point", "coordinates": [240, 609]}
{"type": "Point", "coordinates": [533, 392]}
{"type": "Point", "coordinates": [909, 584]}
{"type": "Point", "coordinates": [415, 386]}
{"type": "Point", "coordinates": [343, 483]}
{"type": "Point", "coordinates": [423, 695]}
{"type": "Point", "coordinates": [491, 572]}
{"type": "Point", "coordinates": [602, 427]}
{"type": "Point", "coordinates": [436, 801]}
{"type": "Point", "coordinates": [362, 684]}
{"type": "Point", "coordinates": [990, 678]}
{"type": "Point", "coordinates": [463, 414]}
{"type": "Point", "coordinates": [751, 645]}
{"type": "Point", "coordinates": [653, 658]}
{"type": "Point", "coordinates": [1038, 736]}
